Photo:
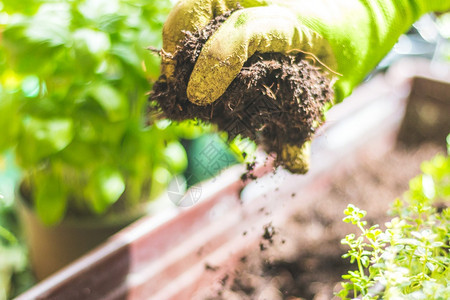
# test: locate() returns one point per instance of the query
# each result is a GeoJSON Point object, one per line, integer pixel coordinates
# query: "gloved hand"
{"type": "Point", "coordinates": [349, 37]}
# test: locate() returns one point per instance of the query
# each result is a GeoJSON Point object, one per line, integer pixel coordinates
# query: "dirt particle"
{"type": "Point", "coordinates": [241, 285]}
{"type": "Point", "coordinates": [224, 280]}
{"type": "Point", "coordinates": [262, 247]}
{"type": "Point", "coordinates": [440, 207]}
{"type": "Point", "coordinates": [269, 232]}
{"type": "Point", "coordinates": [209, 267]}
{"type": "Point", "coordinates": [250, 167]}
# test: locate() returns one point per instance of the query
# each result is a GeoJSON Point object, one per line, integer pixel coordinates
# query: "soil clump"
{"type": "Point", "coordinates": [275, 100]}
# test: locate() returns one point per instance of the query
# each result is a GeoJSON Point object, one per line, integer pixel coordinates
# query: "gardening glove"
{"type": "Point", "coordinates": [346, 37]}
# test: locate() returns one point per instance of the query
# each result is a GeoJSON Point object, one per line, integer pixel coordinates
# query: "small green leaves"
{"type": "Point", "coordinates": [50, 25]}
{"type": "Point", "coordinates": [96, 42]}
{"type": "Point", "coordinates": [175, 155]}
{"type": "Point", "coordinates": [43, 137]}
{"type": "Point", "coordinates": [410, 259]}
{"type": "Point", "coordinates": [354, 214]}
{"type": "Point", "coordinates": [31, 86]}
{"type": "Point", "coordinates": [7, 235]}
{"type": "Point", "coordinates": [9, 122]}
{"type": "Point", "coordinates": [105, 188]}
{"type": "Point", "coordinates": [50, 198]}
{"type": "Point", "coordinates": [113, 103]}
{"type": "Point", "coordinates": [73, 82]}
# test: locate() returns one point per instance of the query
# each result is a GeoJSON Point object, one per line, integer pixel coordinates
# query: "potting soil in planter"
{"type": "Point", "coordinates": [301, 259]}
{"type": "Point", "coordinates": [275, 100]}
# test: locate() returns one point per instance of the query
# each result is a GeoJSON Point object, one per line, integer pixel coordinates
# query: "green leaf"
{"type": "Point", "coordinates": [95, 9]}
{"type": "Point", "coordinates": [105, 188]}
{"type": "Point", "coordinates": [9, 122]}
{"type": "Point", "coordinates": [113, 103]}
{"type": "Point", "coordinates": [110, 23]}
{"type": "Point", "coordinates": [50, 198]}
{"type": "Point", "coordinates": [430, 266]}
{"type": "Point", "coordinates": [365, 261]}
{"type": "Point", "coordinates": [50, 24]}
{"type": "Point", "coordinates": [48, 33]}
{"type": "Point", "coordinates": [176, 157]}
{"type": "Point", "coordinates": [191, 129]}
{"type": "Point", "coordinates": [7, 235]}
{"type": "Point", "coordinates": [83, 154]}
{"type": "Point", "coordinates": [128, 55]}
{"type": "Point", "coordinates": [93, 126]}
{"type": "Point", "coordinates": [96, 42]}
{"type": "Point", "coordinates": [23, 6]}
{"type": "Point", "coordinates": [30, 86]}
{"type": "Point", "coordinates": [43, 137]}
{"type": "Point", "coordinates": [25, 55]}
{"type": "Point", "coordinates": [160, 179]}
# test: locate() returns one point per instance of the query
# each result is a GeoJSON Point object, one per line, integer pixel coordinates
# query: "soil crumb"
{"type": "Point", "coordinates": [209, 267]}
{"type": "Point", "coordinates": [249, 172]}
{"type": "Point", "coordinates": [275, 100]}
{"type": "Point", "coordinates": [269, 232]}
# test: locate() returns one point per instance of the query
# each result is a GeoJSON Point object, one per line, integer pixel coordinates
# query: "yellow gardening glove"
{"type": "Point", "coordinates": [347, 37]}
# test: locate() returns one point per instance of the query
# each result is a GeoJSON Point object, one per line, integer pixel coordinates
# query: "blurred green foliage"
{"type": "Point", "coordinates": [74, 75]}
{"type": "Point", "coordinates": [443, 26]}
{"type": "Point", "coordinates": [15, 273]}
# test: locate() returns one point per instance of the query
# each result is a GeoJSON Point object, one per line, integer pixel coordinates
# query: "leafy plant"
{"type": "Point", "coordinates": [410, 259]}
{"type": "Point", "coordinates": [7, 235]}
{"type": "Point", "coordinates": [73, 81]}
{"type": "Point", "coordinates": [13, 260]}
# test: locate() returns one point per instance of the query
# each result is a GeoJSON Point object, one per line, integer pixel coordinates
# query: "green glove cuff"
{"type": "Point", "coordinates": [369, 34]}
{"type": "Point", "coordinates": [433, 5]}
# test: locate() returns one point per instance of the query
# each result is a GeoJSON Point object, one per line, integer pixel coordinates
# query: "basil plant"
{"type": "Point", "coordinates": [74, 82]}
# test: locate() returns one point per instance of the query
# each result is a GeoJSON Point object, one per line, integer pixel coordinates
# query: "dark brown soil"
{"type": "Point", "coordinates": [250, 167]}
{"type": "Point", "coordinates": [275, 100]}
{"type": "Point", "coordinates": [302, 260]}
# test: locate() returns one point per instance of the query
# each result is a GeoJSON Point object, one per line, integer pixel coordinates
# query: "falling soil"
{"type": "Point", "coordinates": [269, 232]}
{"type": "Point", "coordinates": [250, 168]}
{"type": "Point", "coordinates": [275, 100]}
{"type": "Point", "coordinates": [302, 256]}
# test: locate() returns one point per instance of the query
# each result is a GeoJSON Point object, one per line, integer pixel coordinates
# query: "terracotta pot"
{"type": "Point", "coordinates": [53, 247]}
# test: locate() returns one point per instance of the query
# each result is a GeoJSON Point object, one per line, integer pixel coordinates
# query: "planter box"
{"type": "Point", "coordinates": [170, 256]}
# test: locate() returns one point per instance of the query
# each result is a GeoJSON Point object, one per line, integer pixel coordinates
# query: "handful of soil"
{"type": "Point", "coordinates": [276, 100]}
